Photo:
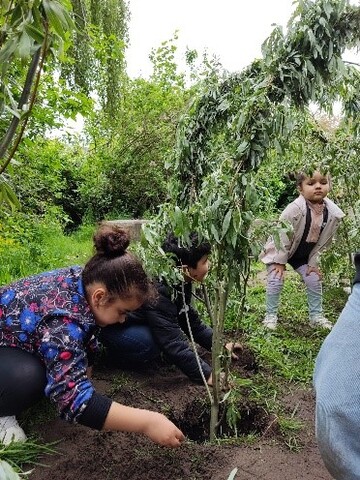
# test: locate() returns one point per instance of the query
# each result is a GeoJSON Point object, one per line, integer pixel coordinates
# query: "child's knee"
{"type": "Point", "coordinates": [312, 281]}
{"type": "Point", "coordinates": [32, 379]}
{"type": "Point", "coordinates": [274, 283]}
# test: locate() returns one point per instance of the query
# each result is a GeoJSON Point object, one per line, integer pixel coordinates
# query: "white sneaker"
{"type": "Point", "coordinates": [270, 321]}
{"type": "Point", "coordinates": [319, 320]}
{"type": "Point", "coordinates": [10, 431]}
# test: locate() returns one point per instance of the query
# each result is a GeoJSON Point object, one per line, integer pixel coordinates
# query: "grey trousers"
{"type": "Point", "coordinates": [313, 290]}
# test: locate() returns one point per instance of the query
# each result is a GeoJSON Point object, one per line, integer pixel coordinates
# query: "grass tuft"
{"type": "Point", "coordinates": [20, 454]}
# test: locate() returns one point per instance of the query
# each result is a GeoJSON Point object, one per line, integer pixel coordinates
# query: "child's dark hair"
{"type": "Point", "coordinates": [112, 265]}
{"type": "Point", "coordinates": [186, 255]}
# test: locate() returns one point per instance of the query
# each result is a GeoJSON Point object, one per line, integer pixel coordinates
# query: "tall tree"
{"type": "Point", "coordinates": [99, 50]}
{"type": "Point", "coordinates": [29, 31]}
{"type": "Point", "coordinates": [59, 34]}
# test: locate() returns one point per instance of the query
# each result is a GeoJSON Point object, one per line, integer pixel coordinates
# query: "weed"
{"type": "Point", "coordinates": [289, 425]}
{"type": "Point", "coordinates": [118, 383]}
{"type": "Point", "coordinates": [293, 444]}
{"type": "Point", "coordinates": [18, 454]}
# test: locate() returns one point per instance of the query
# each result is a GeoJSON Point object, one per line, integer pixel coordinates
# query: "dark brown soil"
{"type": "Point", "coordinates": [85, 454]}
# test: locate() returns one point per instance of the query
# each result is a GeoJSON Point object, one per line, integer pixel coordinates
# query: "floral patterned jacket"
{"type": "Point", "coordinates": [48, 315]}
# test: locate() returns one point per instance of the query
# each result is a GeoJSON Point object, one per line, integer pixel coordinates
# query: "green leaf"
{"type": "Point", "coordinates": [7, 195]}
{"type": "Point", "coordinates": [232, 474]}
{"type": "Point", "coordinates": [311, 36]}
{"type": "Point", "coordinates": [278, 146]}
{"type": "Point", "coordinates": [24, 47]}
{"type": "Point", "coordinates": [226, 222]}
{"type": "Point", "coordinates": [310, 67]}
{"type": "Point", "coordinates": [16, 14]}
{"type": "Point", "coordinates": [16, 113]}
{"type": "Point", "coordinates": [234, 238]}
{"type": "Point", "coordinates": [37, 19]}
{"type": "Point", "coordinates": [58, 17]}
{"type": "Point", "coordinates": [7, 51]}
{"type": "Point", "coordinates": [34, 33]}
{"type": "Point", "coordinates": [328, 9]}
{"type": "Point", "coordinates": [178, 220]}
{"type": "Point", "coordinates": [241, 149]}
{"type": "Point", "coordinates": [147, 235]}
{"type": "Point", "coordinates": [226, 396]}
{"type": "Point", "coordinates": [215, 233]}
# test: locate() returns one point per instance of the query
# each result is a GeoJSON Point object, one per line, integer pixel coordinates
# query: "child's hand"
{"type": "Point", "coordinates": [315, 270]}
{"type": "Point", "coordinates": [231, 347]}
{"type": "Point", "coordinates": [163, 432]}
{"type": "Point", "coordinates": [279, 270]}
{"type": "Point", "coordinates": [224, 386]}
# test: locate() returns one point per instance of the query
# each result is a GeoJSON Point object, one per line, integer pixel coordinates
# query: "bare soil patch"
{"type": "Point", "coordinates": [85, 454]}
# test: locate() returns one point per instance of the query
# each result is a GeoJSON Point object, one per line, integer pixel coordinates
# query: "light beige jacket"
{"type": "Point", "coordinates": [295, 213]}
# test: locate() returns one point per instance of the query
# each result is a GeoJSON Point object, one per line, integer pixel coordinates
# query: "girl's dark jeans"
{"type": "Point", "coordinates": [22, 380]}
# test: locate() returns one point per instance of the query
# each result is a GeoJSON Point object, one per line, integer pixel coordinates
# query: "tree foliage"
{"type": "Point", "coordinates": [83, 39]}
{"type": "Point", "coordinates": [97, 60]}
{"type": "Point", "coordinates": [29, 31]}
{"type": "Point", "coordinates": [126, 163]}
{"type": "Point", "coordinates": [234, 125]}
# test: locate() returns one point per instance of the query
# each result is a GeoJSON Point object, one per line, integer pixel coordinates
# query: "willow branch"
{"type": "Point", "coordinates": [352, 63]}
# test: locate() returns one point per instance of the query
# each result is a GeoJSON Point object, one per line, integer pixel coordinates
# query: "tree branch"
{"type": "Point", "coordinates": [23, 101]}
{"type": "Point", "coordinates": [34, 71]}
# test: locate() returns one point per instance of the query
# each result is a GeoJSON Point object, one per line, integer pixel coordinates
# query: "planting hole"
{"type": "Point", "coordinates": [194, 422]}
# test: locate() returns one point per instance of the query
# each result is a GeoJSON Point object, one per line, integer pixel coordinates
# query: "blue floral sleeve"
{"type": "Point", "coordinates": [62, 348]}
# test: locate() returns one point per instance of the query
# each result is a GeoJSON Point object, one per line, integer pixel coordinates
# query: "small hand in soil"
{"type": "Point", "coordinates": [233, 347]}
{"type": "Point", "coordinates": [163, 432]}
{"type": "Point", "coordinates": [225, 385]}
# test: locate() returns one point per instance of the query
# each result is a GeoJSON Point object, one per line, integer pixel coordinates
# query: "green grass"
{"type": "Point", "coordinates": [52, 250]}
{"type": "Point", "coordinates": [65, 250]}
{"type": "Point", "coordinates": [288, 352]}
{"type": "Point", "coordinates": [20, 454]}
{"type": "Point", "coordinates": [285, 357]}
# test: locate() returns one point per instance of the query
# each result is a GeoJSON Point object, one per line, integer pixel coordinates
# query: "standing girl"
{"type": "Point", "coordinates": [48, 323]}
{"type": "Point", "coordinates": [314, 219]}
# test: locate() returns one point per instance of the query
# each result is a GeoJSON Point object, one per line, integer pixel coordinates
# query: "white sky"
{"type": "Point", "coordinates": [233, 30]}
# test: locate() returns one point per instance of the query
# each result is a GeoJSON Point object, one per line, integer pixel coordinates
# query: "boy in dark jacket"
{"type": "Point", "coordinates": [163, 327]}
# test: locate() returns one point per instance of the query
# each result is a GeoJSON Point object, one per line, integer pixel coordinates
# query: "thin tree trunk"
{"type": "Point", "coordinates": [9, 135]}
{"type": "Point", "coordinates": [218, 329]}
